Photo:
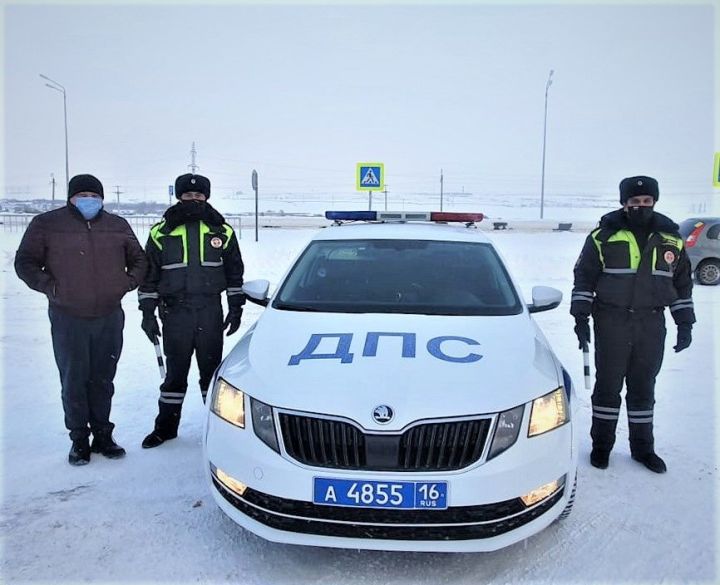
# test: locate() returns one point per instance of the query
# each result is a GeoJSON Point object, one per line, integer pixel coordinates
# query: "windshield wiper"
{"type": "Point", "coordinates": [291, 307]}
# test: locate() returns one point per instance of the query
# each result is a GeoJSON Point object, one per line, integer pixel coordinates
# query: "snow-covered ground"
{"type": "Point", "coordinates": [150, 517]}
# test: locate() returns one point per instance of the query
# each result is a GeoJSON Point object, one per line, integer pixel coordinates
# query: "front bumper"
{"type": "Point", "coordinates": [484, 513]}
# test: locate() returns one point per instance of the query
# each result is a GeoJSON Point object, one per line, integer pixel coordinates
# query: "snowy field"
{"type": "Point", "coordinates": [150, 517]}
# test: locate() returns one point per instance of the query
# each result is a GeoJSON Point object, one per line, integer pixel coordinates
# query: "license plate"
{"type": "Point", "coordinates": [404, 495]}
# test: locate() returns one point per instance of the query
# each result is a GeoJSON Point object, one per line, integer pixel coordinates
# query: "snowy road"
{"type": "Point", "coordinates": [150, 517]}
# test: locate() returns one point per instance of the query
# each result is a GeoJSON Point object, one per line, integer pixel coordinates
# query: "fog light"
{"type": "Point", "coordinates": [542, 492]}
{"type": "Point", "coordinates": [229, 482]}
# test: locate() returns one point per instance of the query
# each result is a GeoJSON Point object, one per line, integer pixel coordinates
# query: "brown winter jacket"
{"type": "Point", "coordinates": [84, 267]}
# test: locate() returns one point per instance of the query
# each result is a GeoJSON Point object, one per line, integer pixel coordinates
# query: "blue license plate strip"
{"type": "Point", "coordinates": [401, 495]}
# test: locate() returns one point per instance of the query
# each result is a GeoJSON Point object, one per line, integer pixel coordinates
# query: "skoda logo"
{"type": "Point", "coordinates": [382, 414]}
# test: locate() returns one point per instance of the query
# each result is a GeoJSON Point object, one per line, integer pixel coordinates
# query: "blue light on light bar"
{"type": "Point", "coordinates": [351, 215]}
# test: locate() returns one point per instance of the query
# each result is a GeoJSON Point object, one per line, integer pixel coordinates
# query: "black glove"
{"type": "Point", "coordinates": [232, 321]}
{"type": "Point", "coordinates": [684, 337]}
{"type": "Point", "coordinates": [150, 326]}
{"type": "Point", "coordinates": [582, 330]}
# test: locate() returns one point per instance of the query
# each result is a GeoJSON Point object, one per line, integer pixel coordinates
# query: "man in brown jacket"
{"type": "Point", "coordinates": [84, 260]}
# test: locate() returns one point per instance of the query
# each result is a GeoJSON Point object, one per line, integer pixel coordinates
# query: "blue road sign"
{"type": "Point", "coordinates": [370, 176]}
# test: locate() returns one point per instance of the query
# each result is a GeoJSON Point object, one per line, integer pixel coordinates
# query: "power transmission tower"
{"type": "Point", "coordinates": [117, 193]}
{"type": "Point", "coordinates": [193, 165]}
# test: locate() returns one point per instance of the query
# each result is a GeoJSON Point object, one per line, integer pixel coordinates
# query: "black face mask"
{"type": "Point", "coordinates": [185, 212]}
{"type": "Point", "coordinates": [193, 203]}
{"type": "Point", "coordinates": [639, 216]}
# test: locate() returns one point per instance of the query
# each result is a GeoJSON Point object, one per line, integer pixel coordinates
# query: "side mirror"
{"type": "Point", "coordinates": [257, 291]}
{"type": "Point", "coordinates": [544, 298]}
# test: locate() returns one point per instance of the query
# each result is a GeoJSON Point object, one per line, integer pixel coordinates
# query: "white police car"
{"type": "Point", "coordinates": [395, 394]}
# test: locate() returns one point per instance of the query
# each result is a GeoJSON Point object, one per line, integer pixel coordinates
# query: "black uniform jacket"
{"type": "Point", "coordinates": [190, 257]}
{"type": "Point", "coordinates": [613, 273]}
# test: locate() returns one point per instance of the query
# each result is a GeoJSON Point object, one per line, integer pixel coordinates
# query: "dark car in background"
{"type": "Point", "coordinates": [702, 241]}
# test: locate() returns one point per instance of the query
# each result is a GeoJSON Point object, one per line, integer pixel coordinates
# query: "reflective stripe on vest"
{"type": "Point", "coordinates": [634, 251]}
{"type": "Point", "coordinates": [157, 235]}
{"type": "Point", "coordinates": [180, 231]}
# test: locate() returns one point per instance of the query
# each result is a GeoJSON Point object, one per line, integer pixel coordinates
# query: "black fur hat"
{"type": "Point", "coordinates": [190, 182]}
{"type": "Point", "coordinates": [637, 186]}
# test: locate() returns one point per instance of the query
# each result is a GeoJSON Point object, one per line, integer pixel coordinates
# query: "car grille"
{"type": "Point", "coordinates": [444, 446]}
{"type": "Point", "coordinates": [323, 442]}
{"type": "Point", "coordinates": [454, 523]}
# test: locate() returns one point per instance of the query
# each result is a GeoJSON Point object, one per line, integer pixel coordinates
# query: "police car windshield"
{"type": "Point", "coordinates": [399, 276]}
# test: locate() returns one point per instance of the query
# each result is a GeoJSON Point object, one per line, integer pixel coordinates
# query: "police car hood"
{"type": "Point", "coordinates": [421, 366]}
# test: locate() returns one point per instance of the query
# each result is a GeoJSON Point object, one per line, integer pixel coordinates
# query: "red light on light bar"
{"type": "Point", "coordinates": [450, 216]}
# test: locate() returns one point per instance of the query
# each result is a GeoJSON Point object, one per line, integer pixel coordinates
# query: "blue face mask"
{"type": "Point", "coordinates": [89, 206]}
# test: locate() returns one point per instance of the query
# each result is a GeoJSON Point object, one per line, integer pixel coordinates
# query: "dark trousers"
{"type": "Point", "coordinates": [187, 329]}
{"type": "Point", "coordinates": [87, 353]}
{"type": "Point", "coordinates": [628, 348]}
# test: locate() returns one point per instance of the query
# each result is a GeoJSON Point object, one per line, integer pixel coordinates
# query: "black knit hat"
{"type": "Point", "coordinates": [638, 186]}
{"type": "Point", "coordinates": [80, 183]}
{"type": "Point", "coordinates": [190, 182]}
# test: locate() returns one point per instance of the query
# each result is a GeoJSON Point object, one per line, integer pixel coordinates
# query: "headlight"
{"type": "Point", "coordinates": [229, 403]}
{"type": "Point", "coordinates": [264, 423]}
{"type": "Point", "coordinates": [548, 413]}
{"type": "Point", "coordinates": [506, 431]}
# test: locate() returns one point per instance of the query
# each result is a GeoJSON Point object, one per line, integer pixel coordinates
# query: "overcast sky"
{"type": "Point", "coordinates": [303, 93]}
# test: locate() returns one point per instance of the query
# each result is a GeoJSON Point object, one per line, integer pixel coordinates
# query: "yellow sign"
{"type": "Point", "coordinates": [370, 176]}
{"type": "Point", "coordinates": [716, 170]}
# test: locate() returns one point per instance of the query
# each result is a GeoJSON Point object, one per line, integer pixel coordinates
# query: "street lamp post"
{"type": "Point", "coordinates": [542, 180]}
{"type": "Point", "coordinates": [57, 87]}
{"type": "Point", "coordinates": [255, 188]}
{"type": "Point", "coordinates": [441, 189]}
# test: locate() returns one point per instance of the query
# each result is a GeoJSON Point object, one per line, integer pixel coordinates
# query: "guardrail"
{"type": "Point", "coordinates": [18, 222]}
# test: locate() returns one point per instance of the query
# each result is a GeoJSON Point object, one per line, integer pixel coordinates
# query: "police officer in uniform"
{"type": "Point", "coordinates": [630, 268]}
{"type": "Point", "coordinates": [193, 256]}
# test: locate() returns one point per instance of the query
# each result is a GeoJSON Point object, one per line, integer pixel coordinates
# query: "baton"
{"type": "Point", "coordinates": [586, 365]}
{"type": "Point", "coordinates": [158, 353]}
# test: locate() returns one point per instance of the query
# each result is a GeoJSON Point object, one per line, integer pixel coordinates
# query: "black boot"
{"type": "Point", "coordinates": [652, 461]}
{"type": "Point", "coordinates": [104, 443]}
{"type": "Point", "coordinates": [599, 458]}
{"type": "Point", "coordinates": [157, 438]}
{"type": "Point", "coordinates": [79, 452]}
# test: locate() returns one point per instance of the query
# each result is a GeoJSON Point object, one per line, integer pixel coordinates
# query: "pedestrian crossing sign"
{"type": "Point", "coordinates": [370, 176]}
{"type": "Point", "coordinates": [716, 170]}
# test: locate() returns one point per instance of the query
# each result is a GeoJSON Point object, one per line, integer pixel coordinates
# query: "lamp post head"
{"type": "Point", "coordinates": [56, 85]}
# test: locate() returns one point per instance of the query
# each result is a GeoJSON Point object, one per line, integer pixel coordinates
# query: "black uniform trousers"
{"type": "Point", "coordinates": [629, 347]}
{"type": "Point", "coordinates": [87, 353]}
{"type": "Point", "coordinates": [187, 327]}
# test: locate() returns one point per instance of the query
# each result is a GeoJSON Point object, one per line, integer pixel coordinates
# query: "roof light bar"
{"type": "Point", "coordinates": [403, 216]}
